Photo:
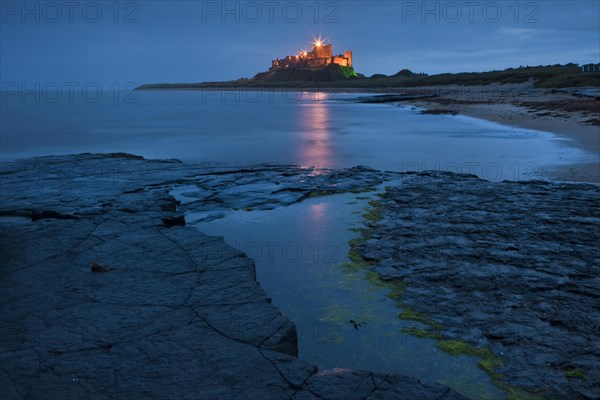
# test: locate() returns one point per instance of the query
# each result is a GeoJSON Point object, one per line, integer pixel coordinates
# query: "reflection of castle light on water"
{"type": "Point", "coordinates": [318, 211]}
{"type": "Point", "coordinates": [315, 148]}
{"type": "Point", "coordinates": [320, 56]}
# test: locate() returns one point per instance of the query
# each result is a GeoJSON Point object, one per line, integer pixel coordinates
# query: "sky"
{"type": "Point", "coordinates": [135, 42]}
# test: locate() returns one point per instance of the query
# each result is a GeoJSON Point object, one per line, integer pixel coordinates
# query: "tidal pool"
{"type": "Point", "coordinates": [300, 251]}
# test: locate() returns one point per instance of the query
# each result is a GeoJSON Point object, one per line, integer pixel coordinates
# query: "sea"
{"type": "Point", "coordinates": [318, 129]}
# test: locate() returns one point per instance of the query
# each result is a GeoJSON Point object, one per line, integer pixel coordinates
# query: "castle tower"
{"type": "Point", "coordinates": [348, 56]}
{"type": "Point", "coordinates": [322, 50]}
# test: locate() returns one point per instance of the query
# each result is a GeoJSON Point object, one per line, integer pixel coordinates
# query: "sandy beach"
{"type": "Point", "coordinates": [566, 113]}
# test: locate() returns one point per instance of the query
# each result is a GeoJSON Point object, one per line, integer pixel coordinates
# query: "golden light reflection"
{"type": "Point", "coordinates": [317, 211]}
{"type": "Point", "coordinates": [315, 142]}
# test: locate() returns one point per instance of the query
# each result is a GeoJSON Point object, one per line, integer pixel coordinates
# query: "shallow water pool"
{"type": "Point", "coordinates": [300, 253]}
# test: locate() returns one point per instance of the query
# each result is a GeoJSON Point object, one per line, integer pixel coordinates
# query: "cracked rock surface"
{"type": "Point", "coordinates": [166, 311]}
{"type": "Point", "coordinates": [511, 266]}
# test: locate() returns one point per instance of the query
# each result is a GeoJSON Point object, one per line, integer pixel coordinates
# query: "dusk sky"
{"type": "Point", "coordinates": [195, 41]}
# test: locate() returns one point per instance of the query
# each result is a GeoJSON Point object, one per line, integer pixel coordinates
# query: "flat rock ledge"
{"type": "Point", "coordinates": [513, 267]}
{"type": "Point", "coordinates": [106, 293]}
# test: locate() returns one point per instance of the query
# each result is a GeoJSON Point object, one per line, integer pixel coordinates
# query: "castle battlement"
{"type": "Point", "coordinates": [320, 56]}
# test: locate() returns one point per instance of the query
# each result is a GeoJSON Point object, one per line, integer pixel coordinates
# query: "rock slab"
{"type": "Point", "coordinates": [510, 266]}
{"type": "Point", "coordinates": [167, 312]}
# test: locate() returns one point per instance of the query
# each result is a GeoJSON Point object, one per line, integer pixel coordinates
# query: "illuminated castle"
{"type": "Point", "coordinates": [320, 56]}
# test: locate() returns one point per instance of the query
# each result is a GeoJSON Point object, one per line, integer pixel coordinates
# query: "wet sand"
{"type": "Point", "coordinates": [564, 113]}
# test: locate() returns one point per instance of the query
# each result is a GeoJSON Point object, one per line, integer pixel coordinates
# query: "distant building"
{"type": "Point", "coordinates": [590, 68]}
{"type": "Point", "coordinates": [320, 56]}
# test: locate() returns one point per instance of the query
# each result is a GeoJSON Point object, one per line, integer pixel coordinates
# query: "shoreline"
{"type": "Point", "coordinates": [570, 114]}
{"type": "Point", "coordinates": [576, 134]}
{"type": "Point", "coordinates": [573, 116]}
{"type": "Point", "coordinates": [536, 109]}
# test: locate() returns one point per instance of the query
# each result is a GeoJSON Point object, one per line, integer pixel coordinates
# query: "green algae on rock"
{"type": "Point", "coordinates": [506, 269]}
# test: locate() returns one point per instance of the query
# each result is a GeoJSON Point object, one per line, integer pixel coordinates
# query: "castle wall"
{"type": "Point", "coordinates": [340, 61]}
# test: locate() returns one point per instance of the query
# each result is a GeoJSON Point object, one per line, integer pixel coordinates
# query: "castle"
{"type": "Point", "coordinates": [320, 56]}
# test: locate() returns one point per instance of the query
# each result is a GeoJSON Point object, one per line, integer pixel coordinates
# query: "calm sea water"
{"type": "Point", "coordinates": [317, 129]}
